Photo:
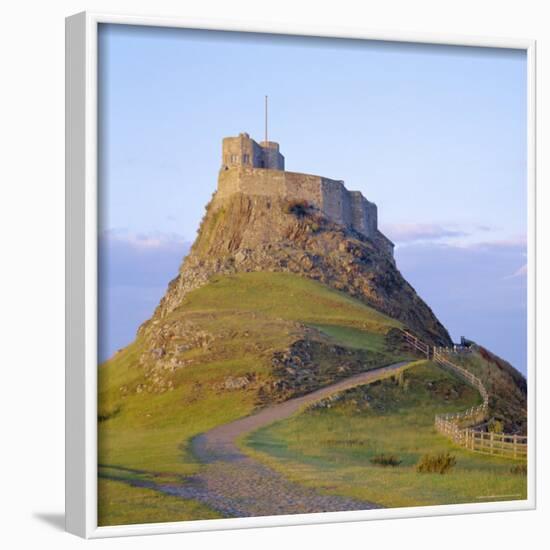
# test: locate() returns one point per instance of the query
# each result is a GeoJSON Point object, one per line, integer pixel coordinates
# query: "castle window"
{"type": "Point", "coordinates": [246, 159]}
{"type": "Point", "coordinates": [234, 159]}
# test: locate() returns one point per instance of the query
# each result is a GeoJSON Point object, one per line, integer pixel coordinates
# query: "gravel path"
{"type": "Point", "coordinates": [237, 485]}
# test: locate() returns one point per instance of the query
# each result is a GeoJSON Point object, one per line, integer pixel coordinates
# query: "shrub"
{"type": "Point", "coordinates": [385, 460]}
{"type": "Point", "coordinates": [314, 227]}
{"type": "Point", "coordinates": [519, 469]}
{"type": "Point", "coordinates": [436, 463]}
{"type": "Point", "coordinates": [496, 426]}
{"type": "Point", "coordinates": [299, 208]}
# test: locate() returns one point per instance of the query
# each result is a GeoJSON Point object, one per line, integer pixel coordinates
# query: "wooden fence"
{"type": "Point", "coordinates": [416, 343]}
{"type": "Point", "coordinates": [458, 426]}
{"type": "Point", "coordinates": [511, 446]}
{"type": "Point", "coordinates": [441, 359]}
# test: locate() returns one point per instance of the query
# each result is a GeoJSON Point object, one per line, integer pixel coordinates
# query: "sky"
{"type": "Point", "coordinates": [434, 135]}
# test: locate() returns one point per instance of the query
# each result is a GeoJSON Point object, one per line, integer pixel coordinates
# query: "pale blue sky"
{"type": "Point", "coordinates": [435, 135]}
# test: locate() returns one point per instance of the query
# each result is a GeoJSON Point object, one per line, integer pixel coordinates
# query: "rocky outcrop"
{"type": "Point", "coordinates": [252, 233]}
{"type": "Point", "coordinates": [311, 363]}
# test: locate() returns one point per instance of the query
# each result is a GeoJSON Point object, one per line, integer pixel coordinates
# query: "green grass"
{"type": "Point", "coordinates": [148, 441]}
{"type": "Point", "coordinates": [150, 432]}
{"type": "Point", "coordinates": [287, 296]}
{"type": "Point", "coordinates": [353, 338]}
{"type": "Point", "coordinates": [123, 504]}
{"type": "Point", "coordinates": [331, 449]}
{"type": "Point", "coordinates": [145, 436]}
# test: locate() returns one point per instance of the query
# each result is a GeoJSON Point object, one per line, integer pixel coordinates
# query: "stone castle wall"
{"type": "Point", "coordinates": [384, 243]}
{"type": "Point", "coordinates": [330, 196]}
{"type": "Point", "coordinates": [335, 201]}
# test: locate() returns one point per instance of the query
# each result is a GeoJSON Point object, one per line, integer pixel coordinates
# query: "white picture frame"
{"type": "Point", "coordinates": [81, 276]}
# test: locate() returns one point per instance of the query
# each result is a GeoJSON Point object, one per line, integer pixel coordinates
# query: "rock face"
{"type": "Point", "coordinates": [245, 233]}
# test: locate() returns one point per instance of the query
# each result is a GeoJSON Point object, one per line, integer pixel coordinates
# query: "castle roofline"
{"type": "Point", "coordinates": [269, 144]}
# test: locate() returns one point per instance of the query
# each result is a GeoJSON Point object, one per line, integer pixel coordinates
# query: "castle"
{"type": "Point", "coordinates": [259, 169]}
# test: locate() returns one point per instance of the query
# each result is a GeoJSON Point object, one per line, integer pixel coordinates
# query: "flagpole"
{"type": "Point", "coordinates": [266, 119]}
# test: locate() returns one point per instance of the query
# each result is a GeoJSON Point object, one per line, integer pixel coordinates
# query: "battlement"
{"type": "Point", "coordinates": [258, 169]}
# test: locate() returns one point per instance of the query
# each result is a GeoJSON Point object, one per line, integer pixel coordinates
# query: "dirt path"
{"type": "Point", "coordinates": [237, 485]}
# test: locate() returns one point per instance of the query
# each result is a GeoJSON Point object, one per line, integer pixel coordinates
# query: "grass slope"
{"type": "Point", "coordinates": [352, 337]}
{"type": "Point", "coordinates": [287, 296]}
{"type": "Point", "coordinates": [123, 504]}
{"type": "Point", "coordinates": [330, 447]}
{"type": "Point", "coordinates": [143, 436]}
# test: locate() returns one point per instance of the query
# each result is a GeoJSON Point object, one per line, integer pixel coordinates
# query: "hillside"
{"type": "Point", "coordinates": [273, 302]}
{"type": "Point", "coordinates": [271, 334]}
{"type": "Point", "coordinates": [253, 233]}
{"type": "Point", "coordinates": [340, 438]}
{"type": "Point", "coordinates": [507, 388]}
{"type": "Point", "coordinates": [232, 345]}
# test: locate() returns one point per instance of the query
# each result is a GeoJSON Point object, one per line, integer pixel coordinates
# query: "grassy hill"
{"type": "Point", "coordinates": [332, 445]}
{"type": "Point", "coordinates": [231, 346]}
{"type": "Point", "coordinates": [249, 339]}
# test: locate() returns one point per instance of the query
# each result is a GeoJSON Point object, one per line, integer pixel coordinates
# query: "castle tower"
{"type": "Point", "coordinates": [244, 151]}
{"type": "Point", "coordinates": [273, 160]}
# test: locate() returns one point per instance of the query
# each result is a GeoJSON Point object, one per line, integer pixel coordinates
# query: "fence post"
{"type": "Point", "coordinates": [515, 445]}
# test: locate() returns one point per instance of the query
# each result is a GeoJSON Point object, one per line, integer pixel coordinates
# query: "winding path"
{"type": "Point", "coordinates": [237, 485]}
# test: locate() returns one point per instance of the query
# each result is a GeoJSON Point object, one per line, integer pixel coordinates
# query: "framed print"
{"type": "Point", "coordinates": [300, 275]}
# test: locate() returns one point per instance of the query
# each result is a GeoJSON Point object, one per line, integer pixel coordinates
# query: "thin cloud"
{"type": "Point", "coordinates": [140, 259]}
{"type": "Point", "coordinates": [143, 241]}
{"type": "Point", "coordinates": [415, 232]}
{"type": "Point", "coordinates": [134, 272]}
{"type": "Point", "coordinates": [518, 242]}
